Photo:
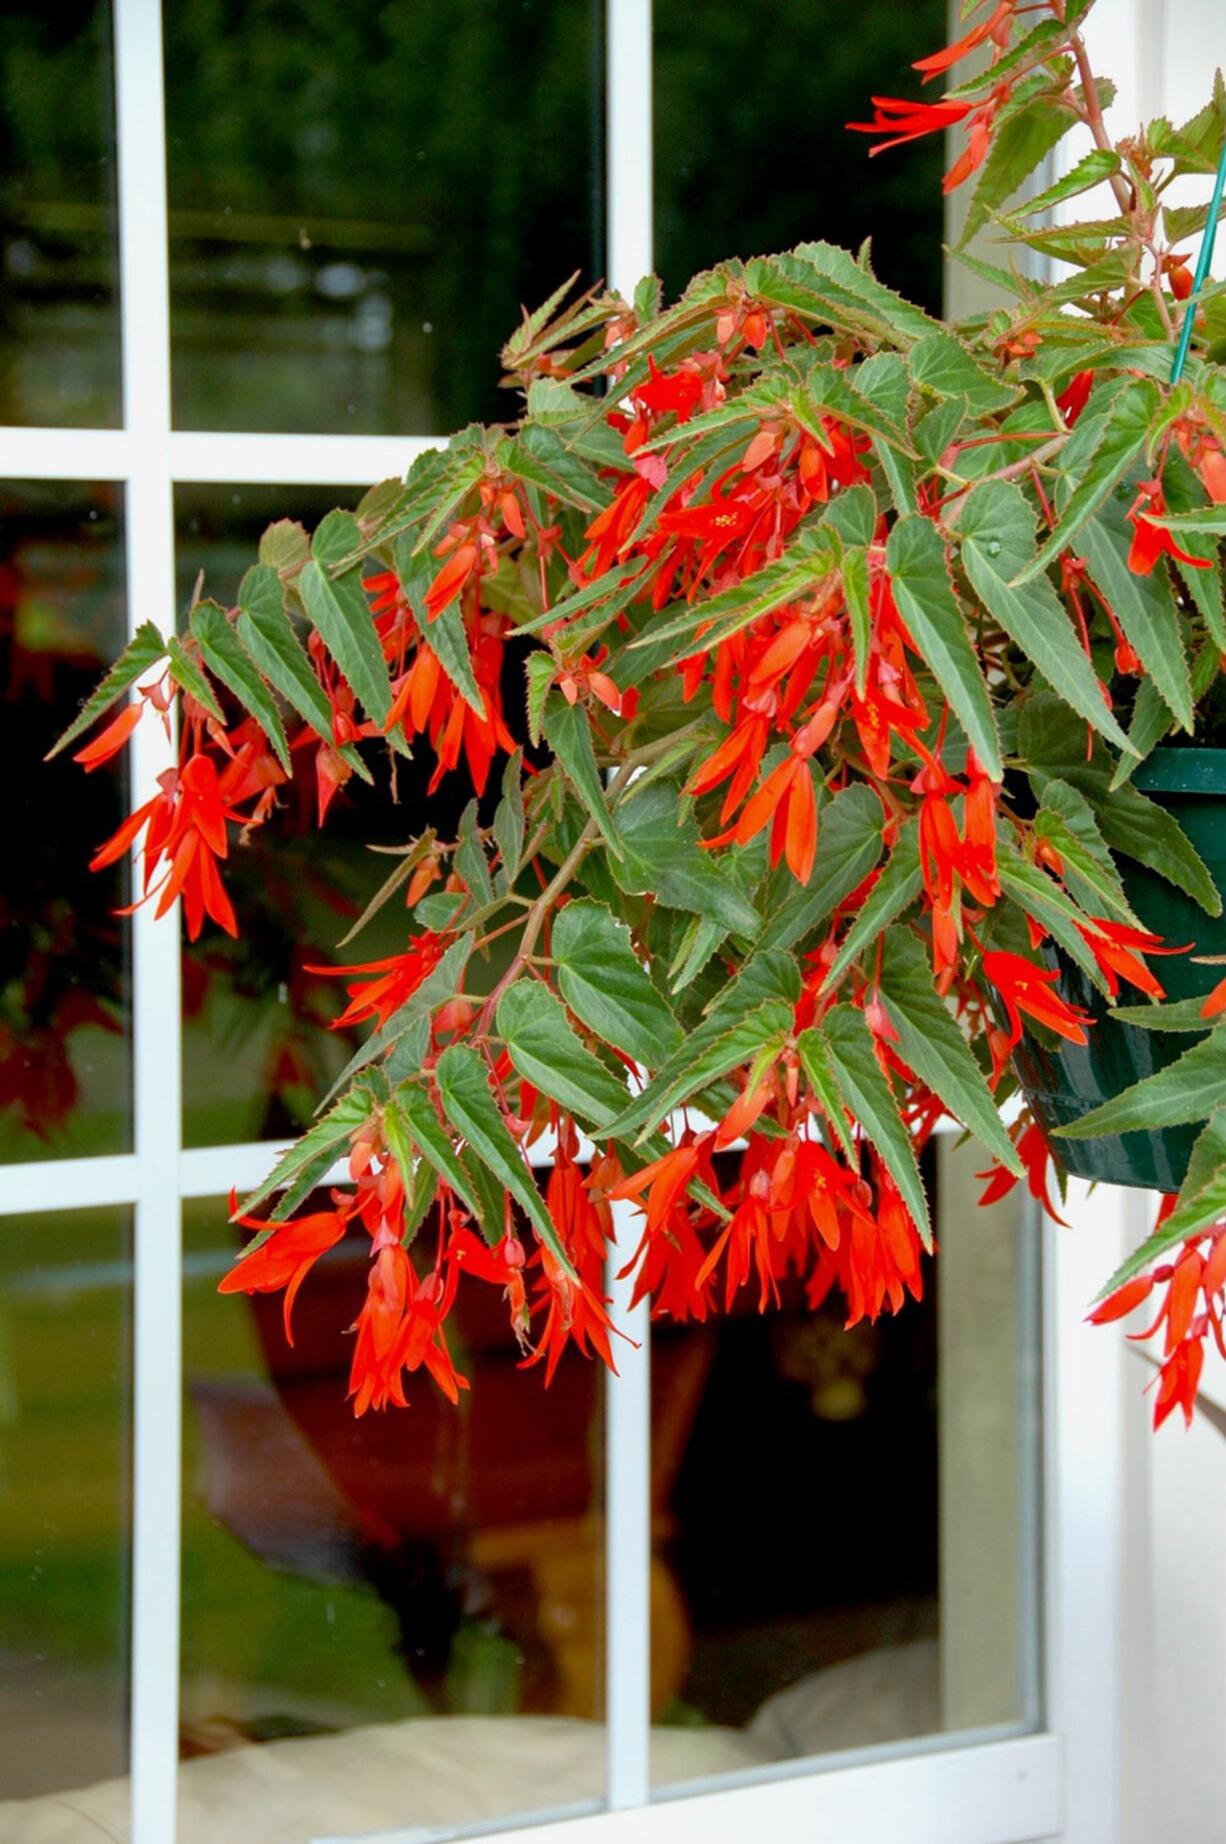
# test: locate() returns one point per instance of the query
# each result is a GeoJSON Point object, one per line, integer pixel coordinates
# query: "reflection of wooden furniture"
{"type": "Point", "coordinates": [565, 1559]}
{"type": "Point", "coordinates": [502, 1491]}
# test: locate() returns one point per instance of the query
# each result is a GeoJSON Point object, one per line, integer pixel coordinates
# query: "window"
{"type": "Point", "coordinates": [239, 281]}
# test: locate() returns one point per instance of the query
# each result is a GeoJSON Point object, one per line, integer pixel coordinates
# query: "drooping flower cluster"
{"type": "Point", "coordinates": [1193, 1303]}
{"type": "Point", "coordinates": [840, 631]}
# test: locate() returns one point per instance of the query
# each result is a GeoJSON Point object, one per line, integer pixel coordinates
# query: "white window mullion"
{"type": "Point", "coordinates": [628, 1533]}
{"type": "Point", "coordinates": [67, 1184]}
{"type": "Point", "coordinates": [155, 1010]}
{"type": "Point", "coordinates": [64, 454]}
{"type": "Point", "coordinates": [225, 458]}
{"type": "Point", "coordinates": [1091, 1382]}
{"type": "Point", "coordinates": [628, 257]}
{"type": "Point", "coordinates": [628, 144]}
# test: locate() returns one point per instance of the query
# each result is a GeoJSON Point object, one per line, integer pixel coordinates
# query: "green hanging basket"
{"type": "Point", "coordinates": [1064, 1083]}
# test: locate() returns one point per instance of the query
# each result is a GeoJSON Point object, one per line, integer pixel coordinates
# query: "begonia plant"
{"type": "Point", "coordinates": [838, 633]}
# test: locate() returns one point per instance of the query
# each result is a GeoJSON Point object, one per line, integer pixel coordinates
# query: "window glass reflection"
{"type": "Point", "coordinates": [59, 301]}
{"type": "Point", "coordinates": [65, 1056]}
{"type": "Point", "coordinates": [388, 1622]}
{"type": "Point", "coordinates": [362, 197]}
{"type": "Point", "coordinates": [781, 78]}
{"type": "Point", "coordinates": [65, 1516]}
{"type": "Point", "coordinates": [850, 1524]}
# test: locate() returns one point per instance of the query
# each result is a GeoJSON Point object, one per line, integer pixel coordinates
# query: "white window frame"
{"type": "Point", "coordinates": [1058, 1783]}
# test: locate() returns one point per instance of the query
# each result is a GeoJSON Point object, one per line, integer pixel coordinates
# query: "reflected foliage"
{"type": "Point", "coordinates": [346, 251]}
{"type": "Point", "coordinates": [59, 313]}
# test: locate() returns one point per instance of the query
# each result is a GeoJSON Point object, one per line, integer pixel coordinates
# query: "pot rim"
{"type": "Point", "coordinates": [1195, 770]}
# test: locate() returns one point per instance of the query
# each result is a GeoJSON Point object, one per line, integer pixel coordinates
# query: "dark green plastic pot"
{"type": "Point", "coordinates": [1063, 1084]}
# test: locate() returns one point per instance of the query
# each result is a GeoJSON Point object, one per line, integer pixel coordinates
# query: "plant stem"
{"type": "Point", "coordinates": [1092, 115]}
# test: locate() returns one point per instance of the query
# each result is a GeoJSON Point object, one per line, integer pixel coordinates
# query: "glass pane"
{"type": "Point", "coordinates": [751, 152]}
{"type": "Point", "coordinates": [359, 207]}
{"type": "Point", "coordinates": [65, 1053]}
{"type": "Point", "coordinates": [59, 296]}
{"type": "Point", "coordinates": [388, 1622]}
{"type": "Point", "coordinates": [847, 1516]}
{"type": "Point", "coordinates": [257, 1050]}
{"type": "Point", "coordinates": [65, 1517]}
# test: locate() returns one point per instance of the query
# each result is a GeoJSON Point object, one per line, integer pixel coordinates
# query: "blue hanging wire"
{"type": "Point", "coordinates": [1202, 269]}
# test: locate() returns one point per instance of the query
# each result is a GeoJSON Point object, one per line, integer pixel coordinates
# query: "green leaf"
{"type": "Point", "coordinates": [937, 429]}
{"type": "Point", "coordinates": [1066, 821]}
{"type": "Point", "coordinates": [265, 631]}
{"type": "Point", "coordinates": [1199, 519]}
{"type": "Point", "coordinates": [828, 391]}
{"type": "Point", "coordinates": [226, 660]}
{"type": "Point", "coordinates": [847, 281]}
{"type": "Point", "coordinates": [919, 575]}
{"type": "Point", "coordinates": [541, 458]}
{"type": "Point", "coordinates": [661, 855]}
{"type": "Point", "coordinates": [409, 862]}
{"type": "Point", "coordinates": [343, 620]}
{"type": "Point", "coordinates": [438, 986]}
{"type": "Point", "coordinates": [541, 669]}
{"type": "Point", "coordinates": [463, 468]}
{"type": "Point", "coordinates": [1202, 1202]}
{"type": "Point", "coordinates": [848, 848]}
{"type": "Point", "coordinates": [445, 635]}
{"type": "Point", "coordinates": [870, 1101]}
{"type": "Point", "coordinates": [1179, 1015]}
{"type": "Point", "coordinates": [142, 652]}
{"type": "Point", "coordinates": [701, 1061]}
{"type": "Point", "coordinates": [941, 363]}
{"type": "Point", "coordinates": [853, 514]}
{"type": "Point", "coordinates": [801, 570]}
{"type": "Point", "coordinates": [469, 860]}
{"type": "Point", "coordinates": [1202, 1196]}
{"type": "Point", "coordinates": [1187, 1090]}
{"type": "Point", "coordinates": [767, 974]}
{"type": "Point", "coordinates": [932, 1044]}
{"type": "Point", "coordinates": [1144, 608]}
{"type": "Point", "coordinates": [322, 1142]}
{"type": "Point", "coordinates": [894, 891]}
{"type": "Point", "coordinates": [856, 596]}
{"type": "Point", "coordinates": [605, 984]}
{"type": "Point", "coordinates": [1203, 587]}
{"type": "Point", "coordinates": [1090, 171]}
{"type": "Point", "coordinates": [1130, 822]}
{"type": "Point", "coordinates": [569, 735]}
{"type": "Point", "coordinates": [818, 1065]}
{"type": "Point", "coordinates": [472, 1111]}
{"type": "Point", "coordinates": [432, 1140]}
{"type": "Point", "coordinates": [1120, 443]}
{"type": "Point", "coordinates": [493, 1210]}
{"type": "Point", "coordinates": [1021, 140]}
{"type": "Point", "coordinates": [284, 547]}
{"type": "Point", "coordinates": [509, 819]}
{"type": "Point", "coordinates": [997, 529]}
{"type": "Point", "coordinates": [548, 1053]}
{"type": "Point", "coordinates": [187, 675]}
{"type": "Point", "coordinates": [440, 909]}
{"type": "Point", "coordinates": [420, 1191]}
{"type": "Point", "coordinates": [1032, 48]}
{"type": "Point", "coordinates": [1206, 130]}
{"type": "Point", "coordinates": [1029, 886]}
{"type": "Point", "coordinates": [698, 943]}
{"type": "Point", "coordinates": [400, 1146]}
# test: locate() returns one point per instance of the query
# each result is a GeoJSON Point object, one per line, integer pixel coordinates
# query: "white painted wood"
{"type": "Point", "coordinates": [150, 553]}
{"type": "Point", "coordinates": [997, 1793]}
{"type": "Point", "coordinates": [294, 460]}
